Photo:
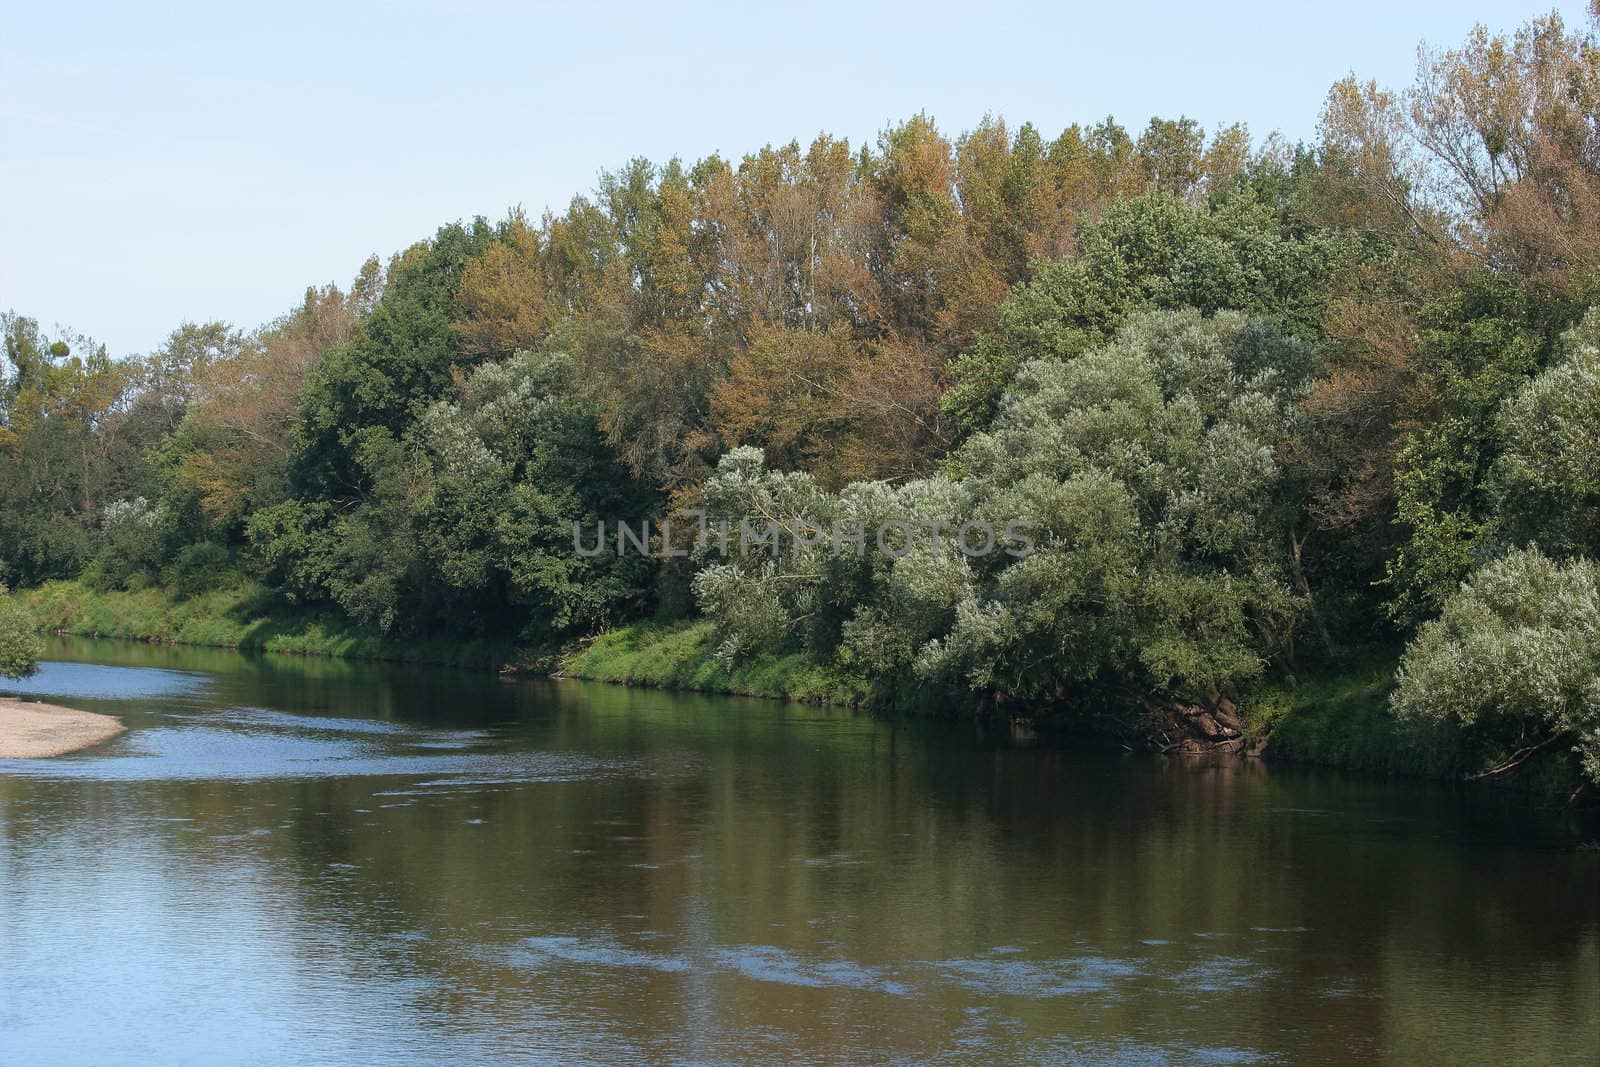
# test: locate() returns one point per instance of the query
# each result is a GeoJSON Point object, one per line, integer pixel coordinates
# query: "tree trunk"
{"type": "Point", "coordinates": [1297, 543]}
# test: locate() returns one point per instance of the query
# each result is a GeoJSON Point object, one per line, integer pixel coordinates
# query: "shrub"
{"type": "Point", "coordinates": [19, 642]}
{"type": "Point", "coordinates": [1515, 658]}
{"type": "Point", "coordinates": [199, 569]}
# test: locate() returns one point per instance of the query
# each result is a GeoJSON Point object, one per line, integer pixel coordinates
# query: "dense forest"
{"type": "Point", "coordinates": [1264, 407]}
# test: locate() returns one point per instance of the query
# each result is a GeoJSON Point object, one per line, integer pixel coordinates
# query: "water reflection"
{"type": "Point", "coordinates": [308, 861]}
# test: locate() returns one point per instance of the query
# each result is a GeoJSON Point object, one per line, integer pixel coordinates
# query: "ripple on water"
{"type": "Point", "coordinates": [769, 963]}
{"type": "Point", "coordinates": [991, 976]}
{"type": "Point", "coordinates": [760, 963]}
{"type": "Point", "coordinates": [1039, 978]}
{"type": "Point", "coordinates": [597, 952]}
{"type": "Point", "coordinates": [1220, 974]}
{"type": "Point", "coordinates": [1131, 1053]}
{"type": "Point", "coordinates": [270, 719]}
{"type": "Point", "coordinates": [199, 748]}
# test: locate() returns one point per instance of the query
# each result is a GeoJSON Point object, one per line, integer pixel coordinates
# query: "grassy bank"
{"type": "Point", "coordinates": [1337, 715]}
{"type": "Point", "coordinates": [241, 617]}
{"type": "Point", "coordinates": [681, 657]}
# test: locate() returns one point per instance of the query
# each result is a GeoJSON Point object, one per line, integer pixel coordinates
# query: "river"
{"type": "Point", "coordinates": [318, 862]}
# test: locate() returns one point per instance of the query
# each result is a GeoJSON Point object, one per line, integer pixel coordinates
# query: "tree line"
{"type": "Point", "coordinates": [1258, 403]}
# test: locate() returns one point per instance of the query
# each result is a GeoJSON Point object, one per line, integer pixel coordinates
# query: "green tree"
{"type": "Point", "coordinates": [1155, 251]}
{"type": "Point", "coordinates": [515, 461]}
{"type": "Point", "coordinates": [397, 363]}
{"type": "Point", "coordinates": [1481, 344]}
{"type": "Point", "coordinates": [1172, 156]}
{"type": "Point", "coordinates": [467, 521]}
{"type": "Point", "coordinates": [1144, 472]}
{"type": "Point", "coordinates": [1549, 474]}
{"type": "Point", "coordinates": [1514, 660]}
{"type": "Point", "coordinates": [72, 438]}
{"type": "Point", "coordinates": [176, 372]}
{"type": "Point", "coordinates": [1147, 469]}
{"type": "Point", "coordinates": [231, 453]}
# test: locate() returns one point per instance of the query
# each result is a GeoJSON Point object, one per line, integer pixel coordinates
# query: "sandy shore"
{"type": "Point", "coordinates": [28, 731]}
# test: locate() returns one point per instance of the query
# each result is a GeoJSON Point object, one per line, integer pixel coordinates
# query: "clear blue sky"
{"type": "Point", "coordinates": [173, 161]}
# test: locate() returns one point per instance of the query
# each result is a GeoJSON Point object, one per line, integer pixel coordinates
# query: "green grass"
{"type": "Point", "coordinates": [1339, 715]}
{"type": "Point", "coordinates": [242, 617]}
{"type": "Point", "coordinates": [681, 657]}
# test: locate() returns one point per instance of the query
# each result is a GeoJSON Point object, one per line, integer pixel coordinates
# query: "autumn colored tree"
{"type": "Point", "coordinates": [506, 294]}
{"type": "Point", "coordinates": [234, 445]}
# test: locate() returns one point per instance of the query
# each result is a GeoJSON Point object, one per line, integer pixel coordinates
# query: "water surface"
{"type": "Point", "coordinates": [305, 861]}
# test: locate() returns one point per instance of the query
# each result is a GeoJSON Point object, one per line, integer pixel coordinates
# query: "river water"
{"type": "Point", "coordinates": [313, 862]}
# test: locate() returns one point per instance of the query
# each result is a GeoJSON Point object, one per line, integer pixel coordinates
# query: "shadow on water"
{"type": "Point", "coordinates": [332, 862]}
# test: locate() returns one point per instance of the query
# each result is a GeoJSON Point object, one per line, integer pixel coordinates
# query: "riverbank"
{"type": "Point", "coordinates": [683, 656]}
{"type": "Point", "coordinates": [1337, 715]}
{"type": "Point", "coordinates": [1334, 714]}
{"type": "Point", "coordinates": [36, 731]}
{"type": "Point", "coordinates": [244, 618]}
{"type": "Point", "coordinates": [678, 656]}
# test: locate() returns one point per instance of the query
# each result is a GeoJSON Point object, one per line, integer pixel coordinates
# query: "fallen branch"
{"type": "Point", "coordinates": [1517, 758]}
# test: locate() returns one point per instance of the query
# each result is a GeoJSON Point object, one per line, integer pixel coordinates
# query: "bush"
{"type": "Point", "coordinates": [1514, 658]}
{"type": "Point", "coordinates": [19, 642]}
{"type": "Point", "coordinates": [199, 569]}
{"type": "Point", "coordinates": [133, 537]}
